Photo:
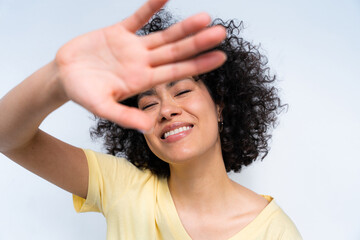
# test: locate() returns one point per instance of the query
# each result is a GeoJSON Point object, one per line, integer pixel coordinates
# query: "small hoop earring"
{"type": "Point", "coordinates": [221, 126]}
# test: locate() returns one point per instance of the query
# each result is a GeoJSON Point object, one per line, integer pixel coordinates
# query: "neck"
{"type": "Point", "coordinates": [201, 183]}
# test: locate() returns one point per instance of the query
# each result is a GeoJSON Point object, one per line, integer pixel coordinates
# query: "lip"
{"type": "Point", "coordinates": [173, 126]}
{"type": "Point", "coordinates": [177, 137]}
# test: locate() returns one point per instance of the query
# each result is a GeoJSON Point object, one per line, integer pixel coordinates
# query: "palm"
{"type": "Point", "coordinates": [104, 63]}
{"type": "Point", "coordinates": [102, 67]}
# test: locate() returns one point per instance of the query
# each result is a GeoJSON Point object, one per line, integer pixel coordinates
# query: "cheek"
{"type": "Point", "coordinates": [204, 109]}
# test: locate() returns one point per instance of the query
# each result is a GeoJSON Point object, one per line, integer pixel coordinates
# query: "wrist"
{"type": "Point", "coordinates": [55, 84]}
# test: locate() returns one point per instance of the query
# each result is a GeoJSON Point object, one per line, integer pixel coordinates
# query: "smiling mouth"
{"type": "Point", "coordinates": [176, 131]}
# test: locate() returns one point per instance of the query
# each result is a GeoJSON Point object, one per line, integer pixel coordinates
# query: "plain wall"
{"type": "Point", "coordinates": [313, 168]}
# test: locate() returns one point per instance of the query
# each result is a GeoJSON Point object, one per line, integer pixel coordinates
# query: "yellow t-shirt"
{"type": "Point", "coordinates": [138, 205]}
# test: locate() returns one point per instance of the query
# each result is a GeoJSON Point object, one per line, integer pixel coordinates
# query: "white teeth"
{"type": "Point", "coordinates": [176, 131]}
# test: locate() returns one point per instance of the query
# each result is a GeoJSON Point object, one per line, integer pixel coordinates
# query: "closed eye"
{"type": "Point", "coordinates": [147, 106]}
{"type": "Point", "coordinates": [182, 92]}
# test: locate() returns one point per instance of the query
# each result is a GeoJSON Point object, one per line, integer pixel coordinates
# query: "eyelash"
{"type": "Point", "coordinates": [182, 92]}
{"type": "Point", "coordinates": [147, 106]}
{"type": "Point", "coordinates": [178, 94]}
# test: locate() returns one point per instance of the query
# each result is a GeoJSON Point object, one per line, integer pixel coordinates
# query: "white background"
{"type": "Point", "coordinates": [313, 169]}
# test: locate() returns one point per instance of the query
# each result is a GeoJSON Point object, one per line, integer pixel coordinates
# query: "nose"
{"type": "Point", "coordinates": [169, 109]}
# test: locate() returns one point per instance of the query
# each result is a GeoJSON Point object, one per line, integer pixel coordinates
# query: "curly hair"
{"type": "Point", "coordinates": [243, 86]}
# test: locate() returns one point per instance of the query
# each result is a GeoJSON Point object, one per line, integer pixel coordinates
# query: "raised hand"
{"type": "Point", "coordinates": [102, 67]}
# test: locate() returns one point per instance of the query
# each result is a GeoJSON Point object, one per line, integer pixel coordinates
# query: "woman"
{"type": "Point", "coordinates": [190, 123]}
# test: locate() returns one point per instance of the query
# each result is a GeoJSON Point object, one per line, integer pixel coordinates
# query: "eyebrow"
{"type": "Point", "coordinates": [152, 92]}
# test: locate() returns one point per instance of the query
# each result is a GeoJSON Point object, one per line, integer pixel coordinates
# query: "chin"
{"type": "Point", "coordinates": [181, 156]}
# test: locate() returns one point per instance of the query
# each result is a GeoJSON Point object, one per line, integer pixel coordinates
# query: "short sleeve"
{"type": "Point", "coordinates": [92, 201]}
{"type": "Point", "coordinates": [109, 179]}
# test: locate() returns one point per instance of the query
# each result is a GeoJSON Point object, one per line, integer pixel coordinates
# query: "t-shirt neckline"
{"type": "Point", "coordinates": [248, 230]}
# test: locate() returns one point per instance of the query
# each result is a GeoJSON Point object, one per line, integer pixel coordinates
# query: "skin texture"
{"type": "Point", "coordinates": [187, 102]}
{"type": "Point", "coordinates": [198, 181]}
{"type": "Point", "coordinates": [244, 88]}
{"type": "Point", "coordinates": [130, 64]}
{"type": "Point", "coordinates": [97, 70]}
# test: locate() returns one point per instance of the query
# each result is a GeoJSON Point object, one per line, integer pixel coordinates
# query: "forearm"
{"type": "Point", "coordinates": [24, 108]}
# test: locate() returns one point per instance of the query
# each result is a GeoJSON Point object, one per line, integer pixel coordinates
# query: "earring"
{"type": "Point", "coordinates": [221, 124]}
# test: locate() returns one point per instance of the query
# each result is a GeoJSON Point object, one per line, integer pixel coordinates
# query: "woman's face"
{"type": "Point", "coordinates": [186, 124]}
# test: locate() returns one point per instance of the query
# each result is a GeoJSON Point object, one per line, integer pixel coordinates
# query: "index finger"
{"type": "Point", "coordinates": [142, 15]}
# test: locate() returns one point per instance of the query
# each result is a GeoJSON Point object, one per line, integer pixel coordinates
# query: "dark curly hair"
{"type": "Point", "coordinates": [243, 86]}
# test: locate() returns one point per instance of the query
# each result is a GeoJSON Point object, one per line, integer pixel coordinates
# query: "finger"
{"type": "Point", "coordinates": [125, 116]}
{"type": "Point", "coordinates": [177, 31]}
{"type": "Point", "coordinates": [142, 15]}
{"type": "Point", "coordinates": [201, 64]}
{"type": "Point", "coordinates": [188, 47]}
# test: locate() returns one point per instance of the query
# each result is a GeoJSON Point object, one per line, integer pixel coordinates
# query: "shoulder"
{"type": "Point", "coordinates": [269, 221]}
{"type": "Point", "coordinates": [277, 222]}
{"type": "Point", "coordinates": [253, 201]}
